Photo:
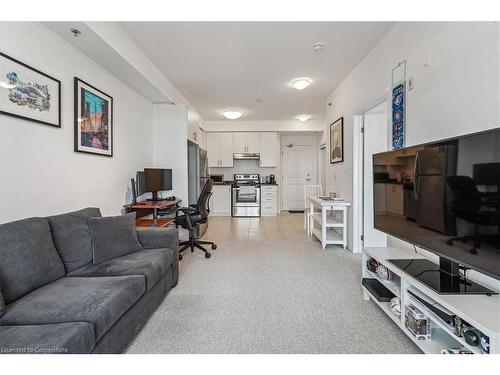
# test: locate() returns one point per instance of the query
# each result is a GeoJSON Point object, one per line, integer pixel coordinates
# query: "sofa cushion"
{"type": "Point", "coordinates": [113, 237]}
{"type": "Point", "coordinates": [151, 264]}
{"type": "Point", "coordinates": [28, 258]}
{"type": "Point", "coordinates": [72, 238]}
{"type": "Point", "coordinates": [98, 300]}
{"type": "Point", "coordinates": [75, 338]}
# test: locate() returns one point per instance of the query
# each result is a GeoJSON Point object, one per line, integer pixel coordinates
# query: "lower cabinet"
{"type": "Point", "coordinates": [269, 200]}
{"type": "Point", "coordinates": [220, 202]}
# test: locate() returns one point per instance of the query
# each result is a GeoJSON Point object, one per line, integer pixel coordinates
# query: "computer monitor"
{"type": "Point", "coordinates": [140, 183]}
{"type": "Point", "coordinates": [156, 179]}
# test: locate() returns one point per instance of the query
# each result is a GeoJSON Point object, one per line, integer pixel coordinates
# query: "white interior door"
{"type": "Point", "coordinates": [297, 172]}
{"type": "Point", "coordinates": [375, 140]}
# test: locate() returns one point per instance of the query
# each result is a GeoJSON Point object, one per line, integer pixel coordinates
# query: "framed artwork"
{"type": "Point", "coordinates": [28, 93]}
{"type": "Point", "coordinates": [93, 120]}
{"type": "Point", "coordinates": [337, 141]}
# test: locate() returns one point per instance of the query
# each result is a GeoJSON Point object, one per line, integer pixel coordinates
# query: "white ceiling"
{"type": "Point", "coordinates": [218, 65]}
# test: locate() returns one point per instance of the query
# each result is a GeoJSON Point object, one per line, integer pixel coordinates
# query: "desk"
{"type": "Point", "coordinates": [152, 205]}
{"type": "Point", "coordinates": [328, 233]}
{"type": "Point", "coordinates": [159, 223]}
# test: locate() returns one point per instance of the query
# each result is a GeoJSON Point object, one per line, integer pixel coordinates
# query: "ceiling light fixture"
{"type": "Point", "coordinates": [232, 114]}
{"type": "Point", "coordinates": [300, 83]}
{"type": "Point", "coordinates": [303, 118]}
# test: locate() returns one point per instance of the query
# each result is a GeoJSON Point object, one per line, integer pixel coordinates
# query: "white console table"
{"type": "Point", "coordinates": [482, 312]}
{"type": "Point", "coordinates": [332, 227]}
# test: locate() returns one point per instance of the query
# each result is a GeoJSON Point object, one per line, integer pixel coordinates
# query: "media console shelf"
{"type": "Point", "coordinates": [480, 311]}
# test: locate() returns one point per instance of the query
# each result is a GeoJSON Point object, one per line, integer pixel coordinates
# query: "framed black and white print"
{"type": "Point", "coordinates": [337, 141]}
{"type": "Point", "coordinates": [28, 93]}
{"type": "Point", "coordinates": [93, 120]}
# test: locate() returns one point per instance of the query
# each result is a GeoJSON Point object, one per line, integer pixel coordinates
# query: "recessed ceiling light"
{"type": "Point", "coordinates": [232, 114]}
{"type": "Point", "coordinates": [300, 83]}
{"type": "Point", "coordinates": [303, 118]}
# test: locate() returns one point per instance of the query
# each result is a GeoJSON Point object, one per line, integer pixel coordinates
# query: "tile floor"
{"type": "Point", "coordinates": [285, 226]}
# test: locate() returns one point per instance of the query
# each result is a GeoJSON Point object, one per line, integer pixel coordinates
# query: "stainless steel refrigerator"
{"type": "Point", "coordinates": [432, 167]}
{"type": "Point", "coordinates": [198, 174]}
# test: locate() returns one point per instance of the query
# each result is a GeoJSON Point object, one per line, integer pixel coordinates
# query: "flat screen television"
{"type": "Point", "coordinates": [156, 179]}
{"type": "Point", "coordinates": [443, 196]}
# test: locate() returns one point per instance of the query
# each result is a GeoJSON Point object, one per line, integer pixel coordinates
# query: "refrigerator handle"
{"type": "Point", "coordinates": [416, 177]}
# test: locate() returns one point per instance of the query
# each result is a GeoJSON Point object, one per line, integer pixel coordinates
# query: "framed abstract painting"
{"type": "Point", "coordinates": [93, 120]}
{"type": "Point", "coordinates": [337, 141]}
{"type": "Point", "coordinates": [28, 93]}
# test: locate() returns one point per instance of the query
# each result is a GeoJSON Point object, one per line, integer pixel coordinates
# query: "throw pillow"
{"type": "Point", "coordinates": [113, 237]}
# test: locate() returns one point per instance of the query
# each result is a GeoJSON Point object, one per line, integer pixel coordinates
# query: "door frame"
{"type": "Point", "coordinates": [282, 172]}
{"type": "Point", "coordinates": [358, 167]}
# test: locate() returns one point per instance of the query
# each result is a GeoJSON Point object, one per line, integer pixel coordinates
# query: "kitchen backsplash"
{"type": "Point", "coordinates": [244, 167]}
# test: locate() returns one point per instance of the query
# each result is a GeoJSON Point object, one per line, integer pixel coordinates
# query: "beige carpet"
{"type": "Point", "coordinates": [269, 289]}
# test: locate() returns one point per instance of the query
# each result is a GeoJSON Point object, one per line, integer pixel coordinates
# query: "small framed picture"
{"type": "Point", "coordinates": [93, 120]}
{"type": "Point", "coordinates": [28, 93]}
{"type": "Point", "coordinates": [337, 141]}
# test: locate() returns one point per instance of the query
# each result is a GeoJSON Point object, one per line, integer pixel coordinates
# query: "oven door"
{"type": "Point", "coordinates": [244, 196]}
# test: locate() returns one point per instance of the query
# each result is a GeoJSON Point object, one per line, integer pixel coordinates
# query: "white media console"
{"type": "Point", "coordinates": [482, 312]}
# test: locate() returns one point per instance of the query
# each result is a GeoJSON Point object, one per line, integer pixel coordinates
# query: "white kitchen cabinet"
{"type": "Point", "coordinates": [246, 142]}
{"type": "Point", "coordinates": [220, 202]}
{"type": "Point", "coordinates": [269, 149]}
{"type": "Point", "coordinates": [269, 200]}
{"type": "Point", "coordinates": [394, 199]}
{"type": "Point", "coordinates": [226, 150]}
{"type": "Point", "coordinates": [253, 142]}
{"type": "Point", "coordinates": [220, 149]}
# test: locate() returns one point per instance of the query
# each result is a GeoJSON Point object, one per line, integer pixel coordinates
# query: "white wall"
{"type": "Point", "coordinates": [457, 93]}
{"type": "Point", "coordinates": [170, 145]}
{"type": "Point", "coordinates": [40, 174]}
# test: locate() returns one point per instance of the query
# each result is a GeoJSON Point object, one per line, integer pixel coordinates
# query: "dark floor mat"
{"type": "Point", "coordinates": [295, 211]}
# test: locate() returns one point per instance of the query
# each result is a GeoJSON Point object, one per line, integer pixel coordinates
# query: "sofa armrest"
{"type": "Point", "coordinates": [156, 238]}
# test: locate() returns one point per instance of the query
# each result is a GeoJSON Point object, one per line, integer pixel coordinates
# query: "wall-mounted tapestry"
{"type": "Point", "coordinates": [337, 141]}
{"type": "Point", "coordinates": [28, 93]}
{"type": "Point", "coordinates": [93, 120]}
{"type": "Point", "coordinates": [398, 116]}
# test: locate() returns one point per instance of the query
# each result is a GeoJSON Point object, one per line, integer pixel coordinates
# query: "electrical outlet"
{"type": "Point", "coordinates": [411, 83]}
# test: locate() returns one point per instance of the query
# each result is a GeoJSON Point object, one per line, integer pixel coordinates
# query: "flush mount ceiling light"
{"type": "Point", "coordinates": [232, 114]}
{"type": "Point", "coordinates": [300, 83]}
{"type": "Point", "coordinates": [75, 32]}
{"type": "Point", "coordinates": [303, 118]}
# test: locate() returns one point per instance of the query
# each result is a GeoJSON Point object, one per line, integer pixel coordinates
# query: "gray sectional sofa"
{"type": "Point", "coordinates": [54, 296]}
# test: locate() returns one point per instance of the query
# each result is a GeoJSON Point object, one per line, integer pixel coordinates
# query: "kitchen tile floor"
{"type": "Point", "coordinates": [285, 226]}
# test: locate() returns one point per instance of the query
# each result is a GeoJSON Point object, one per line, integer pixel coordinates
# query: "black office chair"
{"type": "Point", "coordinates": [194, 215]}
{"type": "Point", "coordinates": [467, 204]}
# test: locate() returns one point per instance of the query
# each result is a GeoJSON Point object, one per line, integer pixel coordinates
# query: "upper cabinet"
{"type": "Point", "coordinates": [222, 146]}
{"type": "Point", "coordinates": [269, 149]}
{"type": "Point", "coordinates": [220, 149]}
{"type": "Point", "coordinates": [246, 142]}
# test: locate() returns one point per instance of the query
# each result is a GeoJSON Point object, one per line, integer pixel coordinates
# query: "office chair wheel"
{"type": "Point", "coordinates": [473, 251]}
{"type": "Point", "coordinates": [207, 255]}
{"type": "Point", "coordinates": [214, 246]}
{"type": "Point", "coordinates": [449, 242]}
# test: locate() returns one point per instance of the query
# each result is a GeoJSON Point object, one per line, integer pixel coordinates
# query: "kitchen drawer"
{"type": "Point", "coordinates": [269, 188]}
{"type": "Point", "coordinates": [269, 199]}
{"type": "Point", "coordinates": [269, 195]}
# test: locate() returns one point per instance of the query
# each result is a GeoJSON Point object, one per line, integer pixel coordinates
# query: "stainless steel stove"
{"type": "Point", "coordinates": [245, 200]}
